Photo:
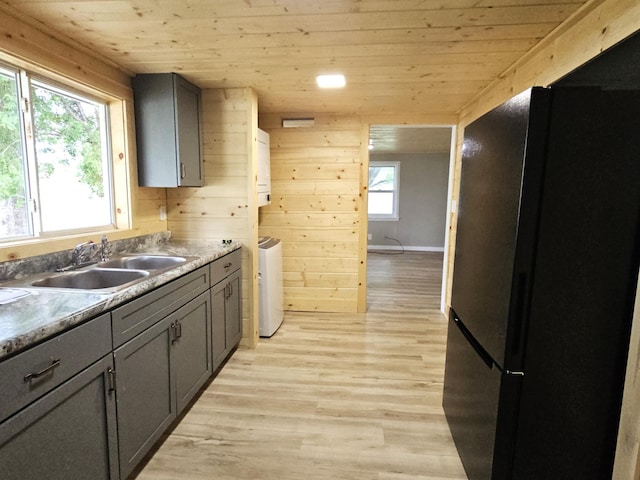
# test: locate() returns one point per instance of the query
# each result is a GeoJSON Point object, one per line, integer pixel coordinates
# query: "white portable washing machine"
{"type": "Point", "coordinates": [270, 285]}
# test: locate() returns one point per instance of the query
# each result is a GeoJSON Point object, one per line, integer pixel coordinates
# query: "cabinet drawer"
{"type": "Point", "coordinates": [69, 433]}
{"type": "Point", "coordinates": [136, 316]}
{"type": "Point", "coordinates": [36, 371]}
{"type": "Point", "coordinates": [223, 266]}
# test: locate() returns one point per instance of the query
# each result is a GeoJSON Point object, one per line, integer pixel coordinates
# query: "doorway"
{"type": "Point", "coordinates": [410, 182]}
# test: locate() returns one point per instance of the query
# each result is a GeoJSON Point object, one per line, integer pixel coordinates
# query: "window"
{"type": "Point", "coordinates": [383, 190]}
{"type": "Point", "coordinates": [55, 174]}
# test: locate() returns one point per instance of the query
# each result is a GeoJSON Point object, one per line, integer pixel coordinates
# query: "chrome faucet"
{"type": "Point", "coordinates": [104, 250]}
{"type": "Point", "coordinates": [80, 255]}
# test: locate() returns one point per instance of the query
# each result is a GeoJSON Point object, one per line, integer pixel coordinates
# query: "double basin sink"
{"type": "Point", "coordinates": [112, 275]}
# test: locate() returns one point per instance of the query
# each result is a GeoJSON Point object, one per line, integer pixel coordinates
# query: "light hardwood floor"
{"type": "Point", "coordinates": [330, 396]}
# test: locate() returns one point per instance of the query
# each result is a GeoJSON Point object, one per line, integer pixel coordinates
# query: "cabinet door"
{"type": "Point", "coordinates": [187, 99]}
{"type": "Point", "coordinates": [191, 353]}
{"type": "Point", "coordinates": [167, 111]}
{"type": "Point", "coordinates": [233, 311]}
{"type": "Point", "coordinates": [218, 335]}
{"type": "Point", "coordinates": [145, 395]}
{"type": "Point", "coordinates": [67, 434]}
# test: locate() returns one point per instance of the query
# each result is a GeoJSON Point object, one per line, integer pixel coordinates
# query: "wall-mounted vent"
{"type": "Point", "coordinates": [298, 122]}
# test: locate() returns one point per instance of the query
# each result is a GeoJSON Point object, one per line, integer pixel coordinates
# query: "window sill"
{"type": "Point", "coordinates": [31, 247]}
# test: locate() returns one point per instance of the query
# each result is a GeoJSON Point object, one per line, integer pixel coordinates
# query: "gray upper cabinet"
{"type": "Point", "coordinates": [167, 110]}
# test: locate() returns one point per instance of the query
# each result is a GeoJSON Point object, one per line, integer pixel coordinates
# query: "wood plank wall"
{"type": "Point", "coordinates": [219, 209]}
{"type": "Point", "coordinates": [225, 207]}
{"type": "Point", "coordinates": [599, 25]}
{"type": "Point", "coordinates": [149, 201]}
{"type": "Point", "coordinates": [320, 233]}
{"type": "Point", "coordinates": [316, 207]}
{"type": "Point", "coordinates": [27, 46]}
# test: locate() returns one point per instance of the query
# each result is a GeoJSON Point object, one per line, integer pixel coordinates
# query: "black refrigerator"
{"type": "Point", "coordinates": [545, 275]}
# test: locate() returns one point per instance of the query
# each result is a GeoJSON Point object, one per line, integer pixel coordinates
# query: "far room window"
{"type": "Point", "coordinates": [384, 180]}
{"type": "Point", "coordinates": [55, 172]}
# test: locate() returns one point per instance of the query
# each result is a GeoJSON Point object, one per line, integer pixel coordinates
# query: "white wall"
{"type": "Point", "coordinates": [422, 203]}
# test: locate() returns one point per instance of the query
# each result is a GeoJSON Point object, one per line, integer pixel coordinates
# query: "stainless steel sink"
{"type": "Point", "coordinates": [92, 279]}
{"type": "Point", "coordinates": [110, 276]}
{"type": "Point", "coordinates": [143, 262]}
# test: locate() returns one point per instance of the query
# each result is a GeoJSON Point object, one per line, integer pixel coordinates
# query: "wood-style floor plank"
{"type": "Point", "coordinates": [330, 396]}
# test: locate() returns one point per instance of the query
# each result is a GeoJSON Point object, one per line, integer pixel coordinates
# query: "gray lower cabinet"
{"type": "Point", "coordinates": [226, 303]}
{"type": "Point", "coordinates": [233, 310]}
{"type": "Point", "coordinates": [218, 324]}
{"type": "Point", "coordinates": [141, 313]}
{"type": "Point", "coordinates": [91, 402]}
{"type": "Point", "coordinates": [144, 384]}
{"type": "Point", "coordinates": [38, 370]}
{"type": "Point", "coordinates": [69, 433]}
{"type": "Point", "coordinates": [191, 355]}
{"type": "Point", "coordinates": [57, 407]}
{"type": "Point", "coordinates": [157, 373]}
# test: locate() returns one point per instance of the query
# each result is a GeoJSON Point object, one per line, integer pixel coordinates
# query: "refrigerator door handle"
{"type": "Point", "coordinates": [482, 353]}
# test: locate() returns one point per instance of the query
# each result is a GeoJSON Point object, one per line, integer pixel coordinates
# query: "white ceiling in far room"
{"type": "Point", "coordinates": [409, 139]}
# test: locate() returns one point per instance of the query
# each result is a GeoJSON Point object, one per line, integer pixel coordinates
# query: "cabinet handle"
{"type": "Point", "coordinates": [55, 363]}
{"type": "Point", "coordinates": [183, 170]}
{"type": "Point", "coordinates": [178, 329]}
{"type": "Point", "coordinates": [228, 265]}
{"type": "Point", "coordinates": [111, 379]}
{"type": "Point", "coordinates": [174, 333]}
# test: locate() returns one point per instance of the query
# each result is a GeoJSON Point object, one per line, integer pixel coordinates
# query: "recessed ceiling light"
{"type": "Point", "coordinates": [331, 81]}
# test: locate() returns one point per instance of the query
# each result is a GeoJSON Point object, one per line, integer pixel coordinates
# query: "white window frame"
{"type": "Point", "coordinates": [394, 215]}
{"type": "Point", "coordinates": [25, 79]}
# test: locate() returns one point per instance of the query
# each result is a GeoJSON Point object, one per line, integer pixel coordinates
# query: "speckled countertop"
{"type": "Point", "coordinates": [47, 311]}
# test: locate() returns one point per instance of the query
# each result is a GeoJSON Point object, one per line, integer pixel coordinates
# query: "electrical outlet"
{"type": "Point", "coordinates": [369, 236]}
{"type": "Point", "coordinates": [163, 212]}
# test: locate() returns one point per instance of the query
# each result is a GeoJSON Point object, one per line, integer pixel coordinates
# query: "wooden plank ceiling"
{"type": "Point", "coordinates": [399, 56]}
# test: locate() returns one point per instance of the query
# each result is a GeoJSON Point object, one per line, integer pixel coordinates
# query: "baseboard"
{"type": "Point", "coordinates": [406, 249]}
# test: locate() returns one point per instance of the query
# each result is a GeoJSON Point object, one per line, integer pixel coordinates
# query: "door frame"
{"type": "Point", "coordinates": [364, 220]}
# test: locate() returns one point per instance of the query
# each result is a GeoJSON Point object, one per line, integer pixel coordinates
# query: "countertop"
{"type": "Point", "coordinates": [46, 311]}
